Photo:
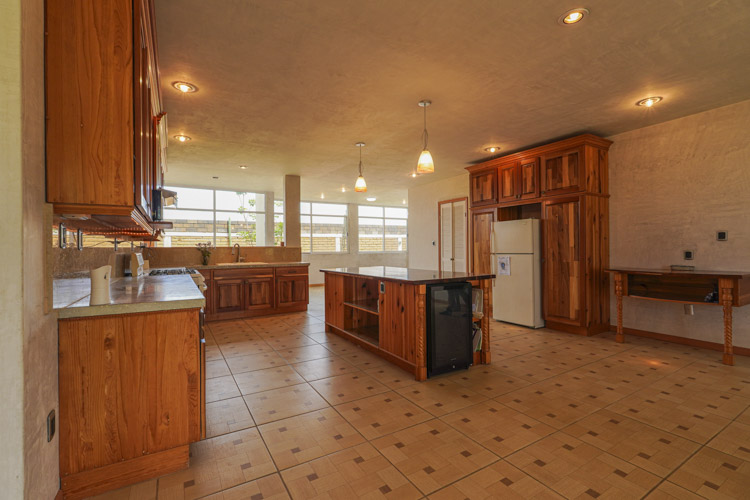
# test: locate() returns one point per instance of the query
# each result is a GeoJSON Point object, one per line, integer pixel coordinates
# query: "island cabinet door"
{"type": "Point", "coordinates": [563, 281]}
{"type": "Point", "coordinates": [398, 320]}
{"type": "Point", "coordinates": [259, 293]}
{"type": "Point", "coordinates": [291, 290]}
{"type": "Point", "coordinates": [229, 295]}
{"type": "Point", "coordinates": [334, 300]}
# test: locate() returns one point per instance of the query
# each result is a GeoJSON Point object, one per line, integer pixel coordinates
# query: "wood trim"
{"type": "Point", "coordinates": [317, 284]}
{"type": "Point", "coordinates": [703, 344]}
{"type": "Point", "coordinates": [400, 362]}
{"type": "Point", "coordinates": [117, 475]}
{"type": "Point", "coordinates": [580, 140]}
{"type": "Point", "coordinates": [465, 199]}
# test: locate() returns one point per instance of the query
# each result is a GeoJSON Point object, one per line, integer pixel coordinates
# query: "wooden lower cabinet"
{"type": "Point", "coordinates": [562, 261]}
{"type": "Point", "coordinates": [259, 293]}
{"type": "Point", "coordinates": [130, 398]}
{"type": "Point", "coordinates": [229, 295]}
{"type": "Point", "coordinates": [481, 235]}
{"type": "Point", "coordinates": [291, 291]}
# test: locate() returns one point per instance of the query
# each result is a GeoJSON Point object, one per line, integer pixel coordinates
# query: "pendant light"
{"type": "Point", "coordinates": [360, 186]}
{"type": "Point", "coordinates": [425, 164]}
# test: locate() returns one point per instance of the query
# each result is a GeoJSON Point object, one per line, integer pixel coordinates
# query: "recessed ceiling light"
{"type": "Point", "coordinates": [343, 189]}
{"type": "Point", "coordinates": [243, 167]}
{"type": "Point", "coordinates": [649, 101]}
{"type": "Point", "coordinates": [413, 174]}
{"type": "Point", "coordinates": [185, 87]}
{"type": "Point", "coordinates": [215, 177]}
{"type": "Point", "coordinates": [322, 196]}
{"type": "Point", "coordinates": [182, 138]}
{"type": "Point", "coordinates": [371, 198]}
{"type": "Point", "coordinates": [492, 149]}
{"type": "Point", "coordinates": [403, 202]}
{"type": "Point", "coordinates": [573, 16]}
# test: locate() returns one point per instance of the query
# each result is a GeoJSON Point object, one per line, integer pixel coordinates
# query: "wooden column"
{"type": "Point", "coordinates": [421, 368]}
{"type": "Point", "coordinates": [725, 291]}
{"type": "Point", "coordinates": [619, 337]}
{"type": "Point", "coordinates": [487, 306]}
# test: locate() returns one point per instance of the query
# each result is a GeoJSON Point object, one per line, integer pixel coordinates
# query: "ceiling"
{"type": "Point", "coordinates": [288, 87]}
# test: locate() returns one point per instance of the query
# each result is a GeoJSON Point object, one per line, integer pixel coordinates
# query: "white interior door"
{"type": "Point", "coordinates": [446, 237]}
{"type": "Point", "coordinates": [460, 252]}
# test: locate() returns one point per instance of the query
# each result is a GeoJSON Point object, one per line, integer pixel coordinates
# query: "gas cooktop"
{"type": "Point", "coordinates": [172, 270]}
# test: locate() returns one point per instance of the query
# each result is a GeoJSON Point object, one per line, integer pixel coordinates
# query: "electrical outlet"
{"type": "Point", "coordinates": [688, 255]}
{"type": "Point", "coordinates": [722, 235]}
{"type": "Point", "coordinates": [50, 426]}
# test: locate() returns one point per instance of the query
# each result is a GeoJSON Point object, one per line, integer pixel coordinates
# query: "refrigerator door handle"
{"type": "Point", "coordinates": [493, 258]}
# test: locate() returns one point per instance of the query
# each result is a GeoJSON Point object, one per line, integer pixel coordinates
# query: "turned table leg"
{"type": "Point", "coordinates": [421, 368]}
{"type": "Point", "coordinates": [725, 289]}
{"type": "Point", "coordinates": [619, 337]}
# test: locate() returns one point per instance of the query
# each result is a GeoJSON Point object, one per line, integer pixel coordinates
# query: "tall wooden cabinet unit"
{"type": "Point", "coordinates": [566, 184]}
{"type": "Point", "coordinates": [106, 136]}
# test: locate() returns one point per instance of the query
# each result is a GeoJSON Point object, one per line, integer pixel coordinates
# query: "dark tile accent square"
{"type": "Point", "coordinates": [246, 466]}
{"type": "Point", "coordinates": [643, 455]}
{"type": "Point", "coordinates": [385, 489]}
{"type": "Point", "coordinates": [551, 415]}
{"type": "Point", "coordinates": [338, 436]}
{"type": "Point", "coordinates": [312, 477]}
{"type": "Point", "coordinates": [465, 420]}
{"type": "Point", "coordinates": [387, 400]}
{"type": "Point", "coordinates": [399, 445]}
{"type": "Point", "coordinates": [506, 481]}
{"type": "Point", "coordinates": [711, 485]}
{"type": "Point", "coordinates": [434, 432]}
{"type": "Point", "coordinates": [729, 466]}
{"type": "Point", "coordinates": [567, 447]}
{"type": "Point", "coordinates": [340, 395]}
{"type": "Point", "coordinates": [438, 404]}
{"type": "Point", "coordinates": [526, 426]}
{"type": "Point", "coordinates": [682, 427]}
{"type": "Point", "coordinates": [408, 414]}
{"type": "Point", "coordinates": [621, 473]}
{"type": "Point", "coordinates": [376, 425]}
{"type": "Point", "coordinates": [592, 493]}
{"type": "Point", "coordinates": [359, 460]}
{"type": "Point", "coordinates": [540, 463]}
{"type": "Point", "coordinates": [592, 433]}
{"type": "Point", "coordinates": [282, 429]}
{"type": "Point", "coordinates": [188, 484]}
{"type": "Point", "coordinates": [428, 470]}
{"type": "Point", "coordinates": [296, 450]}
{"type": "Point", "coordinates": [236, 442]}
{"type": "Point", "coordinates": [498, 439]}
{"type": "Point", "coordinates": [356, 408]}
{"type": "Point", "coordinates": [665, 441]}
{"type": "Point", "coordinates": [467, 454]}
{"type": "Point", "coordinates": [257, 496]}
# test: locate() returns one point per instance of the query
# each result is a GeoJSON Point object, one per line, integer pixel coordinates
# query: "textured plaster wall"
{"type": "Point", "coordinates": [423, 218]}
{"type": "Point", "coordinates": [11, 299]}
{"type": "Point", "coordinates": [673, 185]}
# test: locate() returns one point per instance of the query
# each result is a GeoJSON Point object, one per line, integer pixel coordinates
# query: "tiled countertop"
{"type": "Point", "coordinates": [235, 265]}
{"type": "Point", "coordinates": [128, 296]}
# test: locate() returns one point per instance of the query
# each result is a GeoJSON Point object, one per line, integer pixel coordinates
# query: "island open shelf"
{"type": "Point", "coordinates": [383, 310]}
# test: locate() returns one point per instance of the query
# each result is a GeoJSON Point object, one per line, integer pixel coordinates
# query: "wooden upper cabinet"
{"type": "Point", "coordinates": [483, 187]}
{"type": "Point", "coordinates": [562, 172]}
{"type": "Point", "coordinates": [507, 176]}
{"type": "Point", "coordinates": [563, 269]}
{"type": "Point", "coordinates": [102, 100]}
{"type": "Point", "coordinates": [528, 179]}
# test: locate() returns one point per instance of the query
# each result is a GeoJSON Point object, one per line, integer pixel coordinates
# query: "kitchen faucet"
{"type": "Point", "coordinates": [237, 246]}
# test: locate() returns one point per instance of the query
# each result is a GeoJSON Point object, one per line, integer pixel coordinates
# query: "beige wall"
{"type": "Point", "coordinates": [423, 218]}
{"type": "Point", "coordinates": [673, 185]}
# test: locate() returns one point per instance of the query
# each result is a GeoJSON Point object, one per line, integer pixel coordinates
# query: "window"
{"type": "Point", "coordinates": [278, 222]}
{"type": "Point", "coordinates": [215, 216]}
{"type": "Point", "coordinates": [382, 229]}
{"type": "Point", "coordinates": [323, 227]}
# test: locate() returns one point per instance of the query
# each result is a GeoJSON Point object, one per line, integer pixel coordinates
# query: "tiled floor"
{"type": "Point", "coordinates": [295, 412]}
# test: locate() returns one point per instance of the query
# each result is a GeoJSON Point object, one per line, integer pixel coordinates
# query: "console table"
{"type": "Point", "coordinates": [718, 288]}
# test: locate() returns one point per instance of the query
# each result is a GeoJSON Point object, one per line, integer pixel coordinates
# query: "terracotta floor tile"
{"type": "Point", "coordinates": [235, 349]}
{"type": "Point", "coordinates": [250, 362]}
{"type": "Point", "coordinates": [347, 387]}
{"type": "Point", "coordinates": [744, 417]}
{"type": "Point", "coordinates": [323, 368]}
{"type": "Point", "coordinates": [358, 472]}
{"type": "Point", "coordinates": [266, 488]}
{"type": "Point", "coordinates": [575, 469]}
{"type": "Point", "coordinates": [364, 360]}
{"type": "Point", "coordinates": [499, 480]}
{"type": "Point", "coordinates": [141, 491]}
{"type": "Point", "coordinates": [543, 402]}
{"type": "Point", "coordinates": [670, 491]}
{"type": "Point", "coordinates": [228, 415]}
{"type": "Point", "coordinates": [267, 379]}
{"type": "Point", "coordinates": [433, 455]}
{"type": "Point", "coordinates": [305, 353]}
{"type": "Point", "coordinates": [382, 414]}
{"type": "Point", "coordinates": [285, 402]}
{"type": "Point", "coordinates": [713, 474]}
{"type": "Point", "coordinates": [217, 368]}
{"type": "Point", "coordinates": [498, 428]}
{"type": "Point", "coordinates": [651, 449]}
{"type": "Point", "coordinates": [440, 396]}
{"type": "Point", "coordinates": [299, 439]}
{"type": "Point", "coordinates": [221, 388]}
{"type": "Point", "coordinates": [734, 440]}
{"type": "Point", "coordinates": [714, 377]}
{"type": "Point", "coordinates": [488, 382]}
{"type": "Point", "coordinates": [213, 353]}
{"type": "Point", "coordinates": [290, 341]}
{"type": "Point", "coordinates": [236, 336]}
{"type": "Point", "coordinates": [391, 376]}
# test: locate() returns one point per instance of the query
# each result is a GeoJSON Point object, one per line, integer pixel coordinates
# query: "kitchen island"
{"type": "Point", "coordinates": [383, 309]}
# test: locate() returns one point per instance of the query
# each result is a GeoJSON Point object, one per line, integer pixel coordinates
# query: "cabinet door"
{"type": "Point", "coordinates": [209, 294]}
{"type": "Point", "coordinates": [481, 234]}
{"type": "Point", "coordinates": [507, 176]}
{"type": "Point", "coordinates": [562, 172]}
{"type": "Point", "coordinates": [291, 291]}
{"type": "Point", "coordinates": [143, 123]}
{"type": "Point", "coordinates": [259, 293]}
{"type": "Point", "coordinates": [483, 187]}
{"type": "Point", "coordinates": [229, 295]}
{"type": "Point", "coordinates": [562, 261]}
{"type": "Point", "coordinates": [528, 181]}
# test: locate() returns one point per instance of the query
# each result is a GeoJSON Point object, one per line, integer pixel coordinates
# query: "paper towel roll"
{"type": "Point", "coordinates": [100, 279]}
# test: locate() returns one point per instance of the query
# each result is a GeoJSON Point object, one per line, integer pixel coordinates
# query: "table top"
{"type": "Point", "coordinates": [670, 272]}
{"type": "Point", "coordinates": [410, 275]}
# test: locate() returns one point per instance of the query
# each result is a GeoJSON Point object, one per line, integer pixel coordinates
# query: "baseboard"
{"type": "Point", "coordinates": [317, 284]}
{"type": "Point", "coordinates": [704, 344]}
{"type": "Point", "coordinates": [578, 330]}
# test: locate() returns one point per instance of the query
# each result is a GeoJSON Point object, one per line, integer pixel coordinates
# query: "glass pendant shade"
{"type": "Point", "coordinates": [360, 186]}
{"type": "Point", "coordinates": [425, 164]}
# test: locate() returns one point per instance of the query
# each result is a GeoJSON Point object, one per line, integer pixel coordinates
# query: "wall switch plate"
{"type": "Point", "coordinates": [689, 309]}
{"type": "Point", "coordinates": [50, 426]}
{"type": "Point", "coordinates": [722, 235]}
{"type": "Point", "coordinates": [688, 254]}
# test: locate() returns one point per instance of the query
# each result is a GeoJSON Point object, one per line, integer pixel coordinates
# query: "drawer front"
{"type": "Point", "coordinates": [291, 271]}
{"type": "Point", "coordinates": [242, 272]}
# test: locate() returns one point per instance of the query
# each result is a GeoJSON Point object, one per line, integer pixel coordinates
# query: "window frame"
{"type": "Point", "coordinates": [344, 236]}
{"type": "Point", "coordinates": [384, 218]}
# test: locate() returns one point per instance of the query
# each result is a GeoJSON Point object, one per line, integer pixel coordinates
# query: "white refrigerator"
{"type": "Point", "coordinates": [516, 263]}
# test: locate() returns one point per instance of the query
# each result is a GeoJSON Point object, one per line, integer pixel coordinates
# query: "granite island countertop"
{"type": "Point", "coordinates": [128, 296]}
{"type": "Point", "coordinates": [406, 274]}
{"type": "Point", "coordinates": [235, 265]}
